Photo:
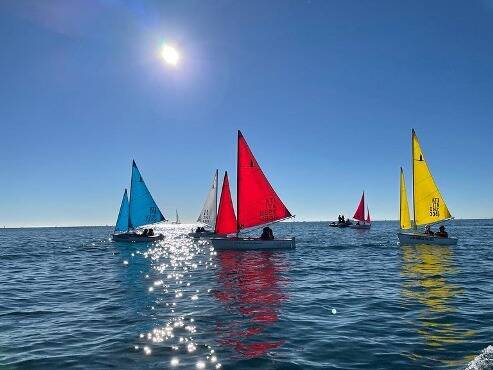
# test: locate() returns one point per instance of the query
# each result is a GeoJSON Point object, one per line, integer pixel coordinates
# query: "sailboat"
{"type": "Point", "coordinates": [208, 213]}
{"type": "Point", "coordinates": [428, 204]}
{"type": "Point", "coordinates": [359, 216]}
{"type": "Point", "coordinates": [177, 219]}
{"type": "Point", "coordinates": [257, 205]}
{"type": "Point", "coordinates": [140, 210]}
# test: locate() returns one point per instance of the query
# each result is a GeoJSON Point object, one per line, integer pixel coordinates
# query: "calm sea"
{"type": "Point", "coordinates": [344, 299]}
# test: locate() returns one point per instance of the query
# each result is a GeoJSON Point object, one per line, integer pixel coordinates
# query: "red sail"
{"type": "Point", "coordinates": [226, 219]}
{"type": "Point", "coordinates": [360, 211]}
{"type": "Point", "coordinates": [368, 216]}
{"type": "Point", "coordinates": [258, 203]}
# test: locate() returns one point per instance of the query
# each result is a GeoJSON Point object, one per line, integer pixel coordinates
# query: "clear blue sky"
{"type": "Point", "coordinates": [326, 93]}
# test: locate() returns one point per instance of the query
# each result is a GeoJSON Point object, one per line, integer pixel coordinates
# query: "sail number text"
{"type": "Point", "coordinates": [435, 207]}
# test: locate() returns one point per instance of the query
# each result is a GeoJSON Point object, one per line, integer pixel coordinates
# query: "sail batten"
{"type": "Point", "coordinates": [209, 210]}
{"type": "Point", "coordinates": [404, 218]}
{"type": "Point", "coordinates": [429, 205]}
{"type": "Point", "coordinates": [122, 222]}
{"type": "Point", "coordinates": [226, 219]}
{"type": "Point", "coordinates": [143, 208]}
{"type": "Point", "coordinates": [257, 202]}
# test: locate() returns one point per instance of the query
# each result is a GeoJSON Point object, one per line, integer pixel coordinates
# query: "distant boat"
{"type": "Point", "coordinates": [140, 210]}
{"type": "Point", "coordinates": [257, 205]}
{"type": "Point", "coordinates": [428, 204]}
{"type": "Point", "coordinates": [177, 219]}
{"type": "Point", "coordinates": [359, 216]}
{"type": "Point", "coordinates": [208, 213]}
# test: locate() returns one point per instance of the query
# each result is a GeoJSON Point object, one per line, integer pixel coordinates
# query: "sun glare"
{"type": "Point", "coordinates": [170, 55]}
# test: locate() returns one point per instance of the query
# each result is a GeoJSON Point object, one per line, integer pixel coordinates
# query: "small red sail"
{"type": "Point", "coordinates": [258, 203]}
{"type": "Point", "coordinates": [360, 211]}
{"type": "Point", "coordinates": [368, 215]}
{"type": "Point", "coordinates": [226, 219]}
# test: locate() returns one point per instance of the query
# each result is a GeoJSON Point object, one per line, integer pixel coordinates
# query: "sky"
{"type": "Point", "coordinates": [325, 92]}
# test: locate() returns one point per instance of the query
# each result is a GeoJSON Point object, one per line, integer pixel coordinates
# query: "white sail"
{"type": "Point", "coordinates": [209, 210]}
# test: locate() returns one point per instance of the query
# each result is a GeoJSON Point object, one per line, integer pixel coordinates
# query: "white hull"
{"type": "Point", "coordinates": [204, 234]}
{"type": "Point", "coordinates": [252, 243]}
{"type": "Point", "coordinates": [136, 238]}
{"type": "Point", "coordinates": [360, 226]}
{"type": "Point", "coordinates": [407, 238]}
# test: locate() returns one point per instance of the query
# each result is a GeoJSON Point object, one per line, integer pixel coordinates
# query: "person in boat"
{"type": "Point", "coordinates": [339, 219]}
{"type": "Point", "coordinates": [267, 234]}
{"type": "Point", "coordinates": [150, 232]}
{"type": "Point", "coordinates": [441, 232]}
{"type": "Point", "coordinates": [144, 233]}
{"type": "Point", "coordinates": [343, 220]}
{"type": "Point", "coordinates": [428, 231]}
{"type": "Point", "coordinates": [197, 230]}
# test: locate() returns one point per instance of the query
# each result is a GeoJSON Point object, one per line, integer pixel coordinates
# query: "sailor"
{"type": "Point", "coordinates": [267, 234]}
{"type": "Point", "coordinates": [150, 232]}
{"type": "Point", "coordinates": [428, 230]}
{"type": "Point", "coordinates": [197, 230]}
{"type": "Point", "coordinates": [342, 219]}
{"type": "Point", "coordinates": [144, 233]}
{"type": "Point", "coordinates": [441, 232]}
{"type": "Point", "coordinates": [339, 219]}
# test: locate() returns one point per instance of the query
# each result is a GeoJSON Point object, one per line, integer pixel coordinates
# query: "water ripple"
{"type": "Point", "coordinates": [71, 298]}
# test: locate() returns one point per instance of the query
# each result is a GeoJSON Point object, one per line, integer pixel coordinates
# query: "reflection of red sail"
{"type": "Point", "coordinates": [251, 293]}
{"type": "Point", "coordinates": [360, 211]}
{"type": "Point", "coordinates": [226, 219]}
{"type": "Point", "coordinates": [257, 202]}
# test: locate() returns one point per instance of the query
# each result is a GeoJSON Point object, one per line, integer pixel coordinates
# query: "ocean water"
{"type": "Point", "coordinates": [344, 299]}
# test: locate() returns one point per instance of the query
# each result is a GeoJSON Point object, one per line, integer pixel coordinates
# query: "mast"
{"type": "Point", "coordinates": [217, 185]}
{"type": "Point", "coordinates": [363, 206]}
{"type": "Point", "coordinates": [412, 157]}
{"type": "Point", "coordinates": [238, 182]}
{"type": "Point", "coordinates": [400, 199]}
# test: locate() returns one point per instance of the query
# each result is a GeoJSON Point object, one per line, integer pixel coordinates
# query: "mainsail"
{"type": "Point", "coordinates": [257, 202]}
{"type": "Point", "coordinates": [122, 220]}
{"type": "Point", "coordinates": [209, 210]}
{"type": "Point", "coordinates": [405, 220]}
{"type": "Point", "coordinates": [143, 208]}
{"type": "Point", "coordinates": [226, 219]}
{"type": "Point", "coordinates": [360, 211]}
{"type": "Point", "coordinates": [429, 205]}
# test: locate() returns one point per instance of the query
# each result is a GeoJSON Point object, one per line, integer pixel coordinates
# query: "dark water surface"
{"type": "Point", "coordinates": [344, 299]}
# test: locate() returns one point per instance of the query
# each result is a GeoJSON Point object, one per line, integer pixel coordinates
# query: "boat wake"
{"type": "Point", "coordinates": [483, 361]}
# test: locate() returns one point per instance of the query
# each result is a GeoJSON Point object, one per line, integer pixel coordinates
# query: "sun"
{"type": "Point", "coordinates": [170, 55]}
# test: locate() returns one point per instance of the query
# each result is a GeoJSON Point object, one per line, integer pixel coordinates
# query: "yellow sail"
{"type": "Point", "coordinates": [405, 220]}
{"type": "Point", "coordinates": [429, 205]}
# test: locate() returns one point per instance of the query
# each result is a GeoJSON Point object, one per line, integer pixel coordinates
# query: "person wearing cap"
{"type": "Point", "coordinates": [441, 232]}
{"type": "Point", "coordinates": [428, 230]}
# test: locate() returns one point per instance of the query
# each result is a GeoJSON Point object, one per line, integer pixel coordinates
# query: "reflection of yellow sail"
{"type": "Point", "coordinates": [425, 274]}
{"type": "Point", "coordinates": [429, 205]}
{"type": "Point", "coordinates": [405, 220]}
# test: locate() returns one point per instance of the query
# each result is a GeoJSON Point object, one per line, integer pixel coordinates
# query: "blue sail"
{"type": "Point", "coordinates": [143, 209]}
{"type": "Point", "coordinates": [122, 220]}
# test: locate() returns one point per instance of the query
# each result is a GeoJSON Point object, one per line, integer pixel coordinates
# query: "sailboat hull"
{"type": "Point", "coordinates": [418, 238]}
{"type": "Point", "coordinates": [204, 234]}
{"type": "Point", "coordinates": [136, 238]}
{"type": "Point", "coordinates": [360, 226]}
{"type": "Point", "coordinates": [252, 244]}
